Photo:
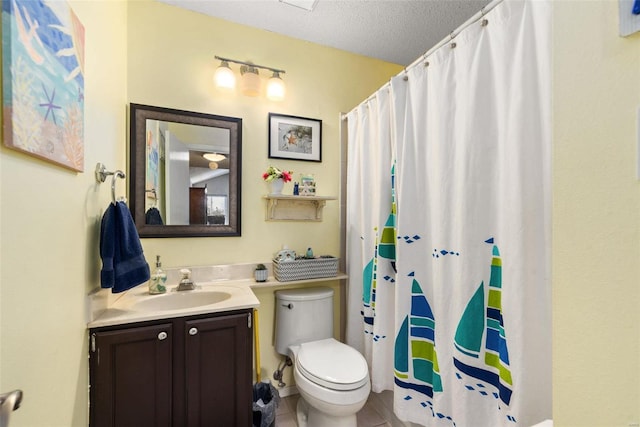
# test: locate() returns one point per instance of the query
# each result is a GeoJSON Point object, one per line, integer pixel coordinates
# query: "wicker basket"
{"type": "Point", "coordinates": [300, 269]}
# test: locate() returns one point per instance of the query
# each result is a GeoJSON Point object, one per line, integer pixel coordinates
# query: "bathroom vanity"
{"type": "Point", "coordinates": [183, 358]}
{"type": "Point", "coordinates": [184, 371]}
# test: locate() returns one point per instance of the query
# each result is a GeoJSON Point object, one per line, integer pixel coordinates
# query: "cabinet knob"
{"type": "Point", "coordinates": [162, 336]}
{"type": "Point", "coordinates": [193, 331]}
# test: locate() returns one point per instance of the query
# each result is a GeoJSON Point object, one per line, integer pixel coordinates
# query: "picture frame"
{"type": "Point", "coordinates": [295, 138]}
{"type": "Point", "coordinates": [43, 81]}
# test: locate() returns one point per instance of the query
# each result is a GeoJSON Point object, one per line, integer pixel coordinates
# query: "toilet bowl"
{"type": "Point", "coordinates": [333, 381]}
{"type": "Point", "coordinates": [332, 378]}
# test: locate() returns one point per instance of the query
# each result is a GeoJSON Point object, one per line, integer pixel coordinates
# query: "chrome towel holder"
{"type": "Point", "coordinates": [9, 402]}
{"type": "Point", "coordinates": [101, 176]}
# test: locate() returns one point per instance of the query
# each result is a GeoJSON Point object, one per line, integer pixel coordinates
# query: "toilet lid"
{"type": "Point", "coordinates": [332, 364]}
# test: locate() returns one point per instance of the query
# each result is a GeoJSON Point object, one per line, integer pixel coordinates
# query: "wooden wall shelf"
{"type": "Point", "coordinates": [295, 208]}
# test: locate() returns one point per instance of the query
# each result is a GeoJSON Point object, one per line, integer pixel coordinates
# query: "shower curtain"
{"type": "Point", "coordinates": [448, 227]}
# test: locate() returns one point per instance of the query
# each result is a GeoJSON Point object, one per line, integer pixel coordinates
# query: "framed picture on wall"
{"type": "Point", "coordinates": [43, 81]}
{"type": "Point", "coordinates": [295, 138]}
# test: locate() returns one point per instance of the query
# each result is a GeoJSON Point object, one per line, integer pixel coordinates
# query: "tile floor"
{"type": "Point", "coordinates": [377, 412]}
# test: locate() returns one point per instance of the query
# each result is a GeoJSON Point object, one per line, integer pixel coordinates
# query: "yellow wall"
{"type": "Point", "coordinates": [50, 216]}
{"type": "Point", "coordinates": [50, 220]}
{"type": "Point", "coordinates": [171, 62]}
{"type": "Point", "coordinates": [596, 211]}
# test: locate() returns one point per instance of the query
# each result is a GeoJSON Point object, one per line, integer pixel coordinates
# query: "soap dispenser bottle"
{"type": "Point", "coordinates": [158, 279]}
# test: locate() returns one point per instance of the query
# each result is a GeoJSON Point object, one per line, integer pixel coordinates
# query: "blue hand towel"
{"type": "Point", "coordinates": [153, 217]}
{"type": "Point", "coordinates": [123, 262]}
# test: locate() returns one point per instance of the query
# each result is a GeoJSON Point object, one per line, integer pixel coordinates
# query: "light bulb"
{"type": "Point", "coordinates": [250, 81]}
{"type": "Point", "coordinates": [224, 78]}
{"type": "Point", "coordinates": [275, 88]}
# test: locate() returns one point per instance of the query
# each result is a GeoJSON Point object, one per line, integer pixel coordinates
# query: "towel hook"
{"type": "Point", "coordinates": [116, 174]}
{"type": "Point", "coordinates": [101, 176]}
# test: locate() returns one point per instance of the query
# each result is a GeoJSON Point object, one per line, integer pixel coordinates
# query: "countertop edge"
{"type": "Point", "coordinates": [116, 321]}
{"type": "Point", "coordinates": [114, 315]}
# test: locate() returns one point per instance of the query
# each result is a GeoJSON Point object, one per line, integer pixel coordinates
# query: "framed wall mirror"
{"type": "Point", "coordinates": [185, 170]}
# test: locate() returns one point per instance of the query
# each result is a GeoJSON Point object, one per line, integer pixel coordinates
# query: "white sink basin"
{"type": "Point", "coordinates": [136, 305]}
{"type": "Point", "coordinates": [181, 300]}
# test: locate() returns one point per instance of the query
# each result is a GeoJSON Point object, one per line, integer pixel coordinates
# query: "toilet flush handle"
{"type": "Point", "coordinates": [289, 306]}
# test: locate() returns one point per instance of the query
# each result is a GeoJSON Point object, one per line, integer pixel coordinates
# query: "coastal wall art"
{"type": "Point", "coordinates": [295, 138]}
{"type": "Point", "coordinates": [43, 81]}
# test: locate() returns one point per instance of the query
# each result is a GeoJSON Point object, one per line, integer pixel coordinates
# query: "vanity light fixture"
{"type": "Point", "coordinates": [214, 157]}
{"type": "Point", "coordinates": [250, 81]}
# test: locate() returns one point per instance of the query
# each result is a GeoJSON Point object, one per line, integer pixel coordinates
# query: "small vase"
{"type": "Point", "coordinates": [261, 275]}
{"type": "Point", "coordinates": [276, 186]}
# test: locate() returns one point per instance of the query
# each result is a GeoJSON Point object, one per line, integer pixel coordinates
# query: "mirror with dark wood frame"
{"type": "Point", "coordinates": [185, 170]}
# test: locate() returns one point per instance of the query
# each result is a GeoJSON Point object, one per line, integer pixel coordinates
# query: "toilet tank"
{"type": "Point", "coordinates": [303, 315]}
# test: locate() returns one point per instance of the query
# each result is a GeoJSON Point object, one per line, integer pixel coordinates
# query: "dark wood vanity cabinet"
{"type": "Point", "coordinates": [217, 370]}
{"type": "Point", "coordinates": [189, 371]}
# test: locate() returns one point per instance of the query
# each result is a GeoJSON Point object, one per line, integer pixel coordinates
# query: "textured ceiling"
{"type": "Point", "coordinates": [396, 31]}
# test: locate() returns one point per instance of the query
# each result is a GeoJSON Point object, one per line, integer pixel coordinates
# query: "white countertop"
{"type": "Point", "coordinates": [125, 310]}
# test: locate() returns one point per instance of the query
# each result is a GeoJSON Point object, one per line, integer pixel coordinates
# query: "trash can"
{"type": "Point", "coordinates": [265, 403]}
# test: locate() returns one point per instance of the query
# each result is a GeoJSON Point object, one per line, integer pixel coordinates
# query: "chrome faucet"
{"type": "Point", "coordinates": [186, 284]}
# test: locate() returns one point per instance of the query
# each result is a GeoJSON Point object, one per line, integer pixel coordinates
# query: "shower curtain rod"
{"type": "Point", "coordinates": [475, 18]}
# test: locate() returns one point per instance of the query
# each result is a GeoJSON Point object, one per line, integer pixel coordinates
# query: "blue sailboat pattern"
{"type": "Point", "coordinates": [415, 356]}
{"type": "Point", "coordinates": [369, 284]}
{"type": "Point", "coordinates": [416, 366]}
{"type": "Point", "coordinates": [482, 321]}
{"type": "Point", "coordinates": [384, 250]}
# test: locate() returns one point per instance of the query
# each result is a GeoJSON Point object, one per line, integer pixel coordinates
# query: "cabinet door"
{"type": "Point", "coordinates": [218, 357]}
{"type": "Point", "coordinates": [131, 377]}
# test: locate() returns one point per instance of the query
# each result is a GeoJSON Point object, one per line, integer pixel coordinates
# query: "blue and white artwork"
{"type": "Point", "coordinates": [43, 80]}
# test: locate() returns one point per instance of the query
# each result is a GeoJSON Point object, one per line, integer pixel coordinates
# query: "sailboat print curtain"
{"type": "Point", "coordinates": [448, 227]}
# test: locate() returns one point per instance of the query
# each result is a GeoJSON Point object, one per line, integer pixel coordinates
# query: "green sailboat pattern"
{"type": "Point", "coordinates": [487, 366]}
{"type": "Point", "coordinates": [369, 285]}
{"type": "Point", "coordinates": [415, 356]}
{"type": "Point", "coordinates": [387, 249]}
{"type": "Point", "coordinates": [384, 250]}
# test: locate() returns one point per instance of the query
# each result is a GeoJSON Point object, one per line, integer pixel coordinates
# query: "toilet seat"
{"type": "Point", "coordinates": [332, 364]}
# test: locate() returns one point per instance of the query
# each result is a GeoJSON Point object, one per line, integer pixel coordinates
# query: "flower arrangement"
{"type": "Point", "coordinates": [275, 173]}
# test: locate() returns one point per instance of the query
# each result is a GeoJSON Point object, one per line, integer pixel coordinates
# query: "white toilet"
{"type": "Point", "coordinates": [332, 378]}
